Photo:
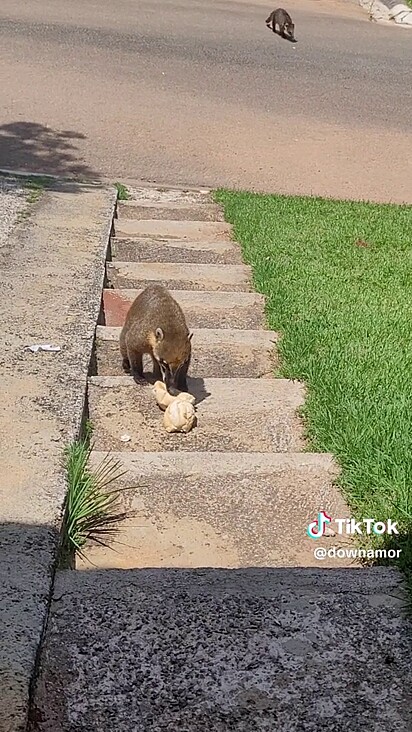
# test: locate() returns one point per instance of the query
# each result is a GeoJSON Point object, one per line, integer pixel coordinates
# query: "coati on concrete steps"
{"type": "Point", "coordinates": [155, 324]}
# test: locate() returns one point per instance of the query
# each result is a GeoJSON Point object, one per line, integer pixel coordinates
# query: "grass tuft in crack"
{"type": "Point", "coordinates": [93, 510]}
{"type": "Point", "coordinates": [36, 186]}
{"type": "Point", "coordinates": [122, 192]}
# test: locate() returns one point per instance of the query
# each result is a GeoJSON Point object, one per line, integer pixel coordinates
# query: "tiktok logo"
{"type": "Point", "coordinates": [316, 529]}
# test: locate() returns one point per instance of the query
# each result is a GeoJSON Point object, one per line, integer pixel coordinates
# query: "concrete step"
{"type": "Point", "coordinates": [238, 310]}
{"type": "Point", "coordinates": [172, 229]}
{"type": "Point", "coordinates": [221, 649]}
{"type": "Point", "coordinates": [215, 353]}
{"type": "Point", "coordinates": [168, 195]}
{"type": "Point", "coordinates": [175, 276]}
{"type": "Point", "coordinates": [175, 250]}
{"type": "Point", "coordinates": [170, 210]}
{"type": "Point", "coordinates": [234, 415]}
{"type": "Point", "coordinates": [202, 509]}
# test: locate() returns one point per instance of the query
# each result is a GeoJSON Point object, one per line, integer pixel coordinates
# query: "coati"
{"type": "Point", "coordinates": [282, 19]}
{"type": "Point", "coordinates": [155, 324]}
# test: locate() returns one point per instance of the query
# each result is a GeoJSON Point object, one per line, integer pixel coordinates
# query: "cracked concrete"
{"type": "Point", "coordinates": [217, 649]}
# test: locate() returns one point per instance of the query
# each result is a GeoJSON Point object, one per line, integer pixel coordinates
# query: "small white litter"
{"type": "Point", "coordinates": [125, 438]}
{"type": "Point", "coordinates": [43, 347]}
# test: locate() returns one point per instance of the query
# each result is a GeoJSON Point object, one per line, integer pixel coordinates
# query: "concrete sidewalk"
{"type": "Point", "coordinates": [52, 268]}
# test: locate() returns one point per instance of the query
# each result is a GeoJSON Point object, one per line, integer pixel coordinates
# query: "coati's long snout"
{"type": "Point", "coordinates": [175, 379]}
{"type": "Point", "coordinates": [173, 363]}
{"type": "Point", "coordinates": [283, 21]}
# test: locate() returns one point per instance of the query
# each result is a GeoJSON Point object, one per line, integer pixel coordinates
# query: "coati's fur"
{"type": "Point", "coordinates": [282, 19]}
{"type": "Point", "coordinates": [155, 324]}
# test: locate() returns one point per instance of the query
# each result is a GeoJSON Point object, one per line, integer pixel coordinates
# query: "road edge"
{"type": "Point", "coordinates": [388, 12]}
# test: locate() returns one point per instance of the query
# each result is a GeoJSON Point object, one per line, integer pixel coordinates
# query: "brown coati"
{"type": "Point", "coordinates": [282, 19]}
{"type": "Point", "coordinates": [155, 324]}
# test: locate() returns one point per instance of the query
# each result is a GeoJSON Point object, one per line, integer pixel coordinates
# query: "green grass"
{"type": "Point", "coordinates": [122, 192]}
{"type": "Point", "coordinates": [344, 311]}
{"type": "Point", "coordinates": [36, 185]}
{"type": "Point", "coordinates": [93, 510]}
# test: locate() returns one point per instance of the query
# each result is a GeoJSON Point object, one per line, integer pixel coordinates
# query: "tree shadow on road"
{"type": "Point", "coordinates": [32, 147]}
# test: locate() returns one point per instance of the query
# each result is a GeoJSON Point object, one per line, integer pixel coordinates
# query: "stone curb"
{"type": "Point", "coordinates": [57, 179]}
{"type": "Point", "coordinates": [54, 272]}
{"type": "Point", "coordinates": [106, 181]}
{"type": "Point", "coordinates": [388, 11]}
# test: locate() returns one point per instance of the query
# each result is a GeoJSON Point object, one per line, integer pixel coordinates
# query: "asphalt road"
{"type": "Point", "coordinates": [201, 92]}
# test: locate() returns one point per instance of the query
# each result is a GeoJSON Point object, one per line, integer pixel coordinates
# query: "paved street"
{"type": "Point", "coordinates": [200, 92]}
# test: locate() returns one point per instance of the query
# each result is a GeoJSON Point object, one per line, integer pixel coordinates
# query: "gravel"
{"type": "Point", "coordinates": [13, 201]}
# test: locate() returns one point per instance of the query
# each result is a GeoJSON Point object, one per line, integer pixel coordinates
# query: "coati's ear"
{"type": "Point", "coordinates": [190, 336]}
{"type": "Point", "coordinates": [159, 334]}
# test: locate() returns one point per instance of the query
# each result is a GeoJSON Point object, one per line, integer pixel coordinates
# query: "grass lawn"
{"type": "Point", "coordinates": [338, 281]}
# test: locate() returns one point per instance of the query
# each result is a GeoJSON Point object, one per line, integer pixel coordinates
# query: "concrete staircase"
{"type": "Point", "coordinates": [209, 614]}
{"type": "Point", "coordinates": [240, 491]}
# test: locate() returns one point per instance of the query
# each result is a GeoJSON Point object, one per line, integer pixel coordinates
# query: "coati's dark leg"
{"type": "Point", "coordinates": [157, 374]}
{"type": "Point", "coordinates": [136, 366]}
{"type": "Point", "coordinates": [182, 376]}
{"type": "Point", "coordinates": [126, 365]}
{"type": "Point", "coordinates": [124, 354]}
{"type": "Point", "coordinates": [282, 30]}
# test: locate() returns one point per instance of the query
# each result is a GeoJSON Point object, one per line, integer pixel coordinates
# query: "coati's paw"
{"type": "Point", "coordinates": [138, 379]}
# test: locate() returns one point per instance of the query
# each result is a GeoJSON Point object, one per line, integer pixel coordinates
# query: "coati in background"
{"type": "Point", "coordinates": [282, 19]}
{"type": "Point", "coordinates": [155, 324]}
